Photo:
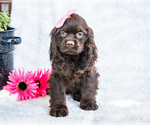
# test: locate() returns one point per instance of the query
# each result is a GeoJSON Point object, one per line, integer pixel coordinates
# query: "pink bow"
{"type": "Point", "coordinates": [62, 20]}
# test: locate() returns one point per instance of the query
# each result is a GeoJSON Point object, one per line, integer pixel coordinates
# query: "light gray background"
{"type": "Point", "coordinates": [122, 36]}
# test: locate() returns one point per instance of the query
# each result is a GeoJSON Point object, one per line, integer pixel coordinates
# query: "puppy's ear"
{"type": "Point", "coordinates": [53, 43]}
{"type": "Point", "coordinates": [89, 55]}
{"type": "Point", "coordinates": [91, 44]}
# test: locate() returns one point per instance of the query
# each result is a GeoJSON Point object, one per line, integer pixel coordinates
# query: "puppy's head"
{"type": "Point", "coordinates": [70, 39]}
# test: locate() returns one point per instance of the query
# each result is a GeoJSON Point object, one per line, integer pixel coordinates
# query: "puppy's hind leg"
{"type": "Point", "coordinates": [76, 94]}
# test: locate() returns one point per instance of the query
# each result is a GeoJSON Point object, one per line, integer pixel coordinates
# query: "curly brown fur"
{"type": "Point", "coordinates": [73, 54]}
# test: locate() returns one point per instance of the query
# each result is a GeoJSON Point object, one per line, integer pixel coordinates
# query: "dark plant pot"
{"type": "Point", "coordinates": [7, 42]}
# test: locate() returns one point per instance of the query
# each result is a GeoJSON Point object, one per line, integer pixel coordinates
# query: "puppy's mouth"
{"type": "Point", "coordinates": [70, 51]}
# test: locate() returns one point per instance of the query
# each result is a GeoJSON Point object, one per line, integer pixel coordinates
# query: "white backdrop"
{"type": "Point", "coordinates": [122, 36]}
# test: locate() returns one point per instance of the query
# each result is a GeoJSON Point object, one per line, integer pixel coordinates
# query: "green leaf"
{"type": "Point", "coordinates": [5, 26]}
{"type": "Point", "coordinates": [1, 29]}
{"type": "Point", "coordinates": [4, 20]}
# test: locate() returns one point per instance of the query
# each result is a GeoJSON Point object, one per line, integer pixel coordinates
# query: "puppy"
{"type": "Point", "coordinates": [73, 54]}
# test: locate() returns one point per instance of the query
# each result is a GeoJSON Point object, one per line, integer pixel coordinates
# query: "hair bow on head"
{"type": "Point", "coordinates": [62, 20]}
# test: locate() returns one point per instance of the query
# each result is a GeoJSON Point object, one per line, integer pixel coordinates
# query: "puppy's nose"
{"type": "Point", "coordinates": [70, 43]}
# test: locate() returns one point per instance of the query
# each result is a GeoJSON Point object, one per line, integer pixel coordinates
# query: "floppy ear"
{"type": "Point", "coordinates": [92, 46]}
{"type": "Point", "coordinates": [55, 55]}
{"type": "Point", "coordinates": [89, 55]}
{"type": "Point", "coordinates": [53, 43]}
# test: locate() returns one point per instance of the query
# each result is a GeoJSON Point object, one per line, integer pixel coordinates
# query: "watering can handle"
{"type": "Point", "coordinates": [10, 40]}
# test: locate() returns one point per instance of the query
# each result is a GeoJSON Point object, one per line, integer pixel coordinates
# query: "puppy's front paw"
{"type": "Point", "coordinates": [59, 111]}
{"type": "Point", "coordinates": [88, 105]}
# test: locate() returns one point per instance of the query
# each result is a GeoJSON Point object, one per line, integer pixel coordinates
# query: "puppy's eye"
{"type": "Point", "coordinates": [63, 33]}
{"type": "Point", "coordinates": [79, 34]}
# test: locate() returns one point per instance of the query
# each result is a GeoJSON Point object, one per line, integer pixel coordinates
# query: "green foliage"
{"type": "Point", "coordinates": [4, 20]}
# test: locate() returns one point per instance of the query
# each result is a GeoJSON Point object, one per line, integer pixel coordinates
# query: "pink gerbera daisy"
{"type": "Point", "coordinates": [23, 84]}
{"type": "Point", "coordinates": [41, 78]}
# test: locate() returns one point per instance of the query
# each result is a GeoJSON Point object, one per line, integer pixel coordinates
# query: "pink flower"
{"type": "Point", "coordinates": [23, 84]}
{"type": "Point", "coordinates": [41, 78]}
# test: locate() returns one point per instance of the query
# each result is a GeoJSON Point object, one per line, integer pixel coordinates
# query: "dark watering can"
{"type": "Point", "coordinates": [7, 42]}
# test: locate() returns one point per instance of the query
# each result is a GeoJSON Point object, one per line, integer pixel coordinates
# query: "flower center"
{"type": "Point", "coordinates": [22, 86]}
{"type": "Point", "coordinates": [37, 81]}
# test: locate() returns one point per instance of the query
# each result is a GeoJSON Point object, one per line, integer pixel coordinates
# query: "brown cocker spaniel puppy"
{"type": "Point", "coordinates": [73, 54]}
